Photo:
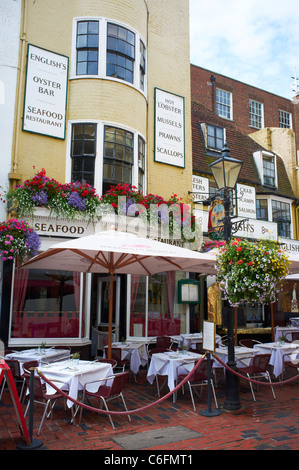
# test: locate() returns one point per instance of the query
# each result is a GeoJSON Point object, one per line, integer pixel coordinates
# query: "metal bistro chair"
{"type": "Point", "coordinates": [14, 366]}
{"type": "Point", "coordinates": [257, 370]}
{"type": "Point", "coordinates": [163, 342]}
{"type": "Point", "coordinates": [40, 396]}
{"type": "Point", "coordinates": [248, 343]}
{"type": "Point", "coordinates": [199, 378]}
{"type": "Point", "coordinates": [113, 362]}
{"type": "Point", "coordinates": [107, 392]}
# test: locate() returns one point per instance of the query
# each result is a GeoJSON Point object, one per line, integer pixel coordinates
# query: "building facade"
{"type": "Point", "coordinates": [260, 130]}
{"type": "Point", "coordinates": [104, 97]}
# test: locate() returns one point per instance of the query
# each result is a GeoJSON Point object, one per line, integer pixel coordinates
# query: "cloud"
{"type": "Point", "coordinates": [254, 41]}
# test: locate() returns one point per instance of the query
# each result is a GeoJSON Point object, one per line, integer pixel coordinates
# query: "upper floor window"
{"type": "Point", "coordinates": [281, 213]}
{"type": "Point", "coordinates": [285, 119]}
{"type": "Point", "coordinates": [83, 152]}
{"type": "Point", "coordinates": [120, 53]}
{"type": "Point", "coordinates": [224, 103]}
{"type": "Point", "coordinates": [256, 114]}
{"type": "Point", "coordinates": [141, 163]}
{"type": "Point", "coordinates": [215, 137]}
{"type": "Point", "coordinates": [118, 157]}
{"type": "Point", "coordinates": [262, 209]}
{"type": "Point", "coordinates": [269, 173]}
{"type": "Point", "coordinates": [105, 49]}
{"type": "Point", "coordinates": [87, 47]}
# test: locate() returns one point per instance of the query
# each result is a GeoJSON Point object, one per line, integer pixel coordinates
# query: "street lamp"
{"type": "Point", "coordinates": [226, 171]}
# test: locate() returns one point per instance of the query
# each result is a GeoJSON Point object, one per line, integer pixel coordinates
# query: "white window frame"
{"type": "Point", "coordinates": [102, 53]}
{"type": "Point", "coordinates": [255, 115]}
{"type": "Point", "coordinates": [270, 200]}
{"type": "Point", "coordinates": [282, 115]}
{"type": "Point", "coordinates": [228, 106]}
{"type": "Point", "coordinates": [258, 158]}
{"type": "Point", "coordinates": [98, 175]}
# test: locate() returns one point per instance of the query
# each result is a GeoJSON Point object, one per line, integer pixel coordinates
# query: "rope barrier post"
{"type": "Point", "coordinates": [34, 443]}
{"type": "Point", "coordinates": [209, 412]}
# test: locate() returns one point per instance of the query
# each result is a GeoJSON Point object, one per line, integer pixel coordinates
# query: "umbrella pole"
{"type": "Point", "coordinates": [110, 315]}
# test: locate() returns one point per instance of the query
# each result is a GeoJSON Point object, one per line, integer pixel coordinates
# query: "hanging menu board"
{"type": "Point", "coordinates": [46, 92]}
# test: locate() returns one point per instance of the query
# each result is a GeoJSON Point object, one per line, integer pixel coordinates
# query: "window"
{"type": "Point", "coordinates": [46, 304]}
{"type": "Point", "coordinates": [269, 171]}
{"type": "Point", "coordinates": [120, 53]}
{"type": "Point", "coordinates": [142, 65]}
{"type": "Point", "coordinates": [262, 209]}
{"type": "Point", "coordinates": [281, 213]}
{"type": "Point", "coordinates": [87, 47]}
{"type": "Point", "coordinates": [103, 49]}
{"type": "Point", "coordinates": [141, 163]}
{"type": "Point", "coordinates": [256, 114]}
{"type": "Point", "coordinates": [83, 152]}
{"type": "Point", "coordinates": [224, 103]}
{"type": "Point", "coordinates": [118, 157]}
{"type": "Point", "coordinates": [285, 119]}
{"type": "Point", "coordinates": [215, 137]}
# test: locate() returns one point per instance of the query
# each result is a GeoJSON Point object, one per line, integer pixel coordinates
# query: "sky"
{"type": "Point", "coordinates": [253, 41]}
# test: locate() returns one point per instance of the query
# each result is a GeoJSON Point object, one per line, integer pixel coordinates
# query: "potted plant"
{"type": "Point", "coordinates": [17, 240]}
{"type": "Point", "coordinates": [76, 357]}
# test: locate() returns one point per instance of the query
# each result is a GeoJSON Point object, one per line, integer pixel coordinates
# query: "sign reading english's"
{"type": "Point", "coordinates": [169, 128]}
{"type": "Point", "coordinates": [45, 94]}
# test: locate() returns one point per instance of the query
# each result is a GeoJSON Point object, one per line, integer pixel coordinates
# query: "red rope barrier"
{"type": "Point", "coordinates": [255, 381]}
{"type": "Point", "coordinates": [97, 410]}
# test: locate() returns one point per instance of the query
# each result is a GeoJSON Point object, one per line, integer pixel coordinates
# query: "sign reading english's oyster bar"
{"type": "Point", "coordinates": [46, 93]}
{"type": "Point", "coordinates": [169, 128]}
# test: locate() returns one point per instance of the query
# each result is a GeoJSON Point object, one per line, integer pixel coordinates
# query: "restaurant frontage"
{"type": "Point", "coordinates": [71, 308]}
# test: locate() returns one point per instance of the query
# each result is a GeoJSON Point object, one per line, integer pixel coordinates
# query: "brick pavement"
{"type": "Point", "coordinates": [267, 424]}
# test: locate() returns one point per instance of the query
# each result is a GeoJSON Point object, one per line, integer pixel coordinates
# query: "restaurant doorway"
{"type": "Point", "coordinates": [103, 292]}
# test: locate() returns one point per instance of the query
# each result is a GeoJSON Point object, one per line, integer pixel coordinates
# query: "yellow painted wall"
{"type": "Point", "coordinates": [48, 24]}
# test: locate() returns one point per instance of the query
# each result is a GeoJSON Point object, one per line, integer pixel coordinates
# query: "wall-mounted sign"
{"type": "Point", "coordinates": [200, 188]}
{"type": "Point", "coordinates": [169, 128]}
{"type": "Point", "coordinates": [188, 291]}
{"type": "Point", "coordinates": [45, 93]}
{"type": "Point", "coordinates": [216, 220]}
{"type": "Point", "coordinates": [246, 201]}
{"type": "Point", "coordinates": [254, 228]}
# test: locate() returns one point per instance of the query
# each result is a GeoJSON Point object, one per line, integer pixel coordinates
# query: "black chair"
{"type": "Point", "coordinates": [14, 366]}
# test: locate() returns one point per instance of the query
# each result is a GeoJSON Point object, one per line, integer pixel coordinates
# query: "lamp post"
{"type": "Point", "coordinates": [226, 171]}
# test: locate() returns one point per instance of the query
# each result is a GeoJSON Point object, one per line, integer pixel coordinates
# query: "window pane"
{"type": "Point", "coordinates": [46, 304]}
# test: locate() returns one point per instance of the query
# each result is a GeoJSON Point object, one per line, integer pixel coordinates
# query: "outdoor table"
{"type": "Point", "coordinates": [73, 376]}
{"type": "Point", "coordinates": [36, 354]}
{"type": "Point", "coordinates": [242, 356]}
{"type": "Point", "coordinates": [277, 351]}
{"type": "Point", "coordinates": [190, 340]}
{"type": "Point", "coordinates": [284, 330]}
{"type": "Point", "coordinates": [136, 353]}
{"type": "Point", "coordinates": [168, 363]}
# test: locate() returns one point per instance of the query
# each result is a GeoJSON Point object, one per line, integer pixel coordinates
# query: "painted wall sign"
{"type": "Point", "coordinates": [246, 201]}
{"type": "Point", "coordinates": [45, 93]}
{"type": "Point", "coordinates": [200, 188]}
{"type": "Point", "coordinates": [169, 128]}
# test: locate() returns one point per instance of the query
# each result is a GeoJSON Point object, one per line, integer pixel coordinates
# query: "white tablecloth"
{"type": "Point", "coordinates": [190, 340]}
{"type": "Point", "coordinates": [285, 330]}
{"type": "Point", "coordinates": [136, 353]}
{"type": "Point", "coordinates": [73, 377]}
{"type": "Point", "coordinates": [242, 356]}
{"type": "Point", "coordinates": [168, 364]}
{"type": "Point", "coordinates": [277, 352]}
{"type": "Point", "coordinates": [49, 355]}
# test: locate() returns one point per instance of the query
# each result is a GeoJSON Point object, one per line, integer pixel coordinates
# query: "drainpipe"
{"type": "Point", "coordinates": [213, 79]}
{"type": "Point", "coordinates": [14, 176]}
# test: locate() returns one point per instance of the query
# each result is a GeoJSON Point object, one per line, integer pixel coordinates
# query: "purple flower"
{"type": "Point", "coordinates": [40, 198]}
{"type": "Point", "coordinates": [75, 201]}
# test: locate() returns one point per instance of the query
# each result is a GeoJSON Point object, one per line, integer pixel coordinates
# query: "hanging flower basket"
{"type": "Point", "coordinates": [17, 240]}
{"type": "Point", "coordinates": [251, 272]}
